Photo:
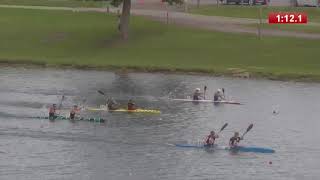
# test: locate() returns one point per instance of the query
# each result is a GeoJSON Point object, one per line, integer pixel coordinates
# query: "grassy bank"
{"type": "Point", "coordinates": [56, 3]}
{"type": "Point", "coordinates": [63, 38]}
{"type": "Point", "coordinates": [253, 11]}
{"type": "Point", "coordinates": [289, 27]}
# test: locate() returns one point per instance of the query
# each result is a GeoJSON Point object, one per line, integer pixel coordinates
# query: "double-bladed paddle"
{"type": "Point", "coordinates": [60, 105]}
{"type": "Point", "coordinates": [102, 93]}
{"type": "Point", "coordinates": [204, 92]}
{"type": "Point", "coordinates": [248, 129]}
{"type": "Point", "coordinates": [223, 127]}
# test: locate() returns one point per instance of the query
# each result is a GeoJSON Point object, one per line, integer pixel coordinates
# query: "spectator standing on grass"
{"type": "Point", "coordinates": [119, 22]}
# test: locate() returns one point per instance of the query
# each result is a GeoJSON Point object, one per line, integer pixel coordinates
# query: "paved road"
{"type": "Point", "coordinates": [212, 2]}
{"type": "Point", "coordinates": [223, 24]}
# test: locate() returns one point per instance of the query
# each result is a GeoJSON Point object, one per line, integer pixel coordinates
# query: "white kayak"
{"type": "Point", "coordinates": [125, 110]}
{"type": "Point", "coordinates": [208, 101]}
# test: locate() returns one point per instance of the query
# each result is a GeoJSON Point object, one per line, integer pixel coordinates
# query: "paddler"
{"type": "Point", "coordinates": [52, 111]}
{"type": "Point", "coordinates": [131, 105]}
{"type": "Point", "coordinates": [219, 95]}
{"type": "Point", "coordinates": [211, 138]}
{"type": "Point", "coordinates": [235, 140]}
{"type": "Point", "coordinates": [197, 94]}
{"type": "Point", "coordinates": [112, 104]}
{"type": "Point", "coordinates": [74, 110]}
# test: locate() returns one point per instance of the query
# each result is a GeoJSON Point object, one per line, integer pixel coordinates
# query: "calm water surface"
{"type": "Point", "coordinates": [135, 146]}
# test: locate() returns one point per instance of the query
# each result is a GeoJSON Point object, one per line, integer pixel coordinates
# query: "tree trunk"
{"type": "Point", "coordinates": [124, 19]}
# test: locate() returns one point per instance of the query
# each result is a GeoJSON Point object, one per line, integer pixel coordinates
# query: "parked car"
{"type": "Point", "coordinates": [308, 3]}
{"type": "Point", "coordinates": [262, 2]}
{"type": "Point", "coordinates": [238, 1]}
{"type": "Point", "coordinates": [253, 2]}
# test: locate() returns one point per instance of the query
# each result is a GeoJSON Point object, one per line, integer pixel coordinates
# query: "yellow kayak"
{"type": "Point", "coordinates": [126, 110]}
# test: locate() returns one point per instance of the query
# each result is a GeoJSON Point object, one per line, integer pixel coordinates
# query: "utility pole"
{"type": "Point", "coordinates": [186, 5]}
{"type": "Point", "coordinates": [260, 22]}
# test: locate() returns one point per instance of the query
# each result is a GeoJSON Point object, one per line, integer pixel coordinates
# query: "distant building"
{"type": "Point", "coordinates": [294, 2]}
{"type": "Point", "coordinates": [308, 2]}
{"type": "Point", "coordinates": [281, 2]}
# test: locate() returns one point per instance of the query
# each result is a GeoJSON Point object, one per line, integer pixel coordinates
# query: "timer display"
{"type": "Point", "coordinates": [288, 18]}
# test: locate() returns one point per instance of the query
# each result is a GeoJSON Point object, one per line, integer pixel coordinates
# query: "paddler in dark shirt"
{"type": "Point", "coordinates": [131, 105]}
{"type": "Point", "coordinates": [74, 111]}
{"type": "Point", "coordinates": [234, 140]}
{"type": "Point", "coordinates": [197, 94]}
{"type": "Point", "coordinates": [52, 111]}
{"type": "Point", "coordinates": [112, 104]}
{"type": "Point", "coordinates": [211, 139]}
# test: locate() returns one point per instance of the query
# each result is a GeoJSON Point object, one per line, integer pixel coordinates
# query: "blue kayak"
{"type": "Point", "coordinates": [236, 149]}
{"type": "Point", "coordinates": [253, 149]}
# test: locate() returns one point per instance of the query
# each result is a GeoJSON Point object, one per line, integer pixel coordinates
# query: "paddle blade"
{"type": "Point", "coordinates": [250, 127]}
{"type": "Point", "coordinates": [205, 88]}
{"type": "Point", "coordinates": [223, 127]}
{"type": "Point", "coordinates": [100, 92]}
{"type": "Point", "coordinates": [60, 105]}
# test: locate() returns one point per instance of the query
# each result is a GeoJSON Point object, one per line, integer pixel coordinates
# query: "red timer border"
{"type": "Point", "coordinates": [288, 18]}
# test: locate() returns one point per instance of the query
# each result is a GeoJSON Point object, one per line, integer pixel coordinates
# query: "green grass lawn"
{"type": "Point", "coordinates": [91, 40]}
{"type": "Point", "coordinates": [253, 11]}
{"type": "Point", "coordinates": [57, 3]}
{"type": "Point", "coordinates": [290, 27]}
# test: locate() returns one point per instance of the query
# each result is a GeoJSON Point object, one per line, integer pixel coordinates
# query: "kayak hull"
{"type": "Point", "coordinates": [91, 119]}
{"type": "Point", "coordinates": [236, 149]}
{"type": "Point", "coordinates": [253, 149]}
{"type": "Point", "coordinates": [207, 101]}
{"type": "Point", "coordinates": [126, 110]}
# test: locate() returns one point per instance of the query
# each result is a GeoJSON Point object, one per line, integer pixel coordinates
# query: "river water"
{"type": "Point", "coordinates": [136, 146]}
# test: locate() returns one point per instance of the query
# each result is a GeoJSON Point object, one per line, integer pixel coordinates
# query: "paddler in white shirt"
{"type": "Point", "coordinates": [112, 104]}
{"type": "Point", "coordinates": [197, 95]}
{"type": "Point", "coordinates": [219, 95]}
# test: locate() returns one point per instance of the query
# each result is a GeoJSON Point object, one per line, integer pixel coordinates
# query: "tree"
{"type": "Point", "coordinates": [125, 15]}
{"type": "Point", "coordinates": [124, 18]}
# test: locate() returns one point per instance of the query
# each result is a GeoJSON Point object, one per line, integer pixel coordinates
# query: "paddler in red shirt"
{"type": "Point", "coordinates": [131, 105]}
{"type": "Point", "coordinates": [74, 111]}
{"type": "Point", "coordinates": [211, 138]}
{"type": "Point", "coordinates": [52, 111]}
